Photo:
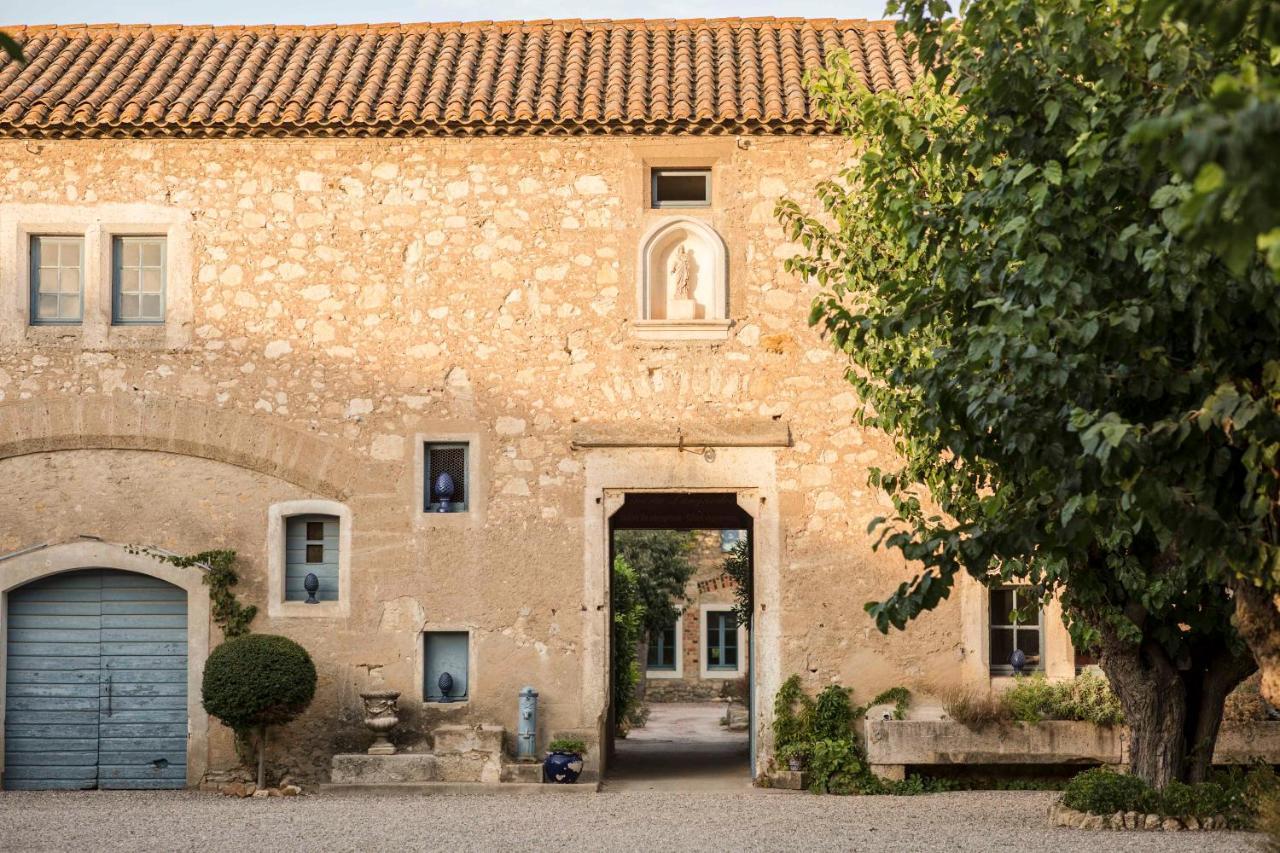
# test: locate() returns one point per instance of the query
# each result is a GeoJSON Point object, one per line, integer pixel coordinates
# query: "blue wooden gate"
{"type": "Point", "coordinates": [96, 683]}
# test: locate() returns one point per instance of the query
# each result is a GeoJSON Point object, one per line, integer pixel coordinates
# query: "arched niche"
{"type": "Point", "coordinates": [682, 288]}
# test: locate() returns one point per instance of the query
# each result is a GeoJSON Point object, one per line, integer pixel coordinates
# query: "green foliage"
{"type": "Point", "coordinates": [792, 714]}
{"type": "Point", "coordinates": [629, 613]}
{"type": "Point", "coordinates": [832, 717]}
{"type": "Point", "coordinates": [220, 576]}
{"type": "Point", "coordinates": [1237, 795]}
{"type": "Point", "coordinates": [1032, 699]}
{"type": "Point", "coordinates": [900, 697]}
{"type": "Point", "coordinates": [576, 746]}
{"type": "Point", "coordinates": [258, 680]}
{"type": "Point", "coordinates": [738, 566]}
{"type": "Point", "coordinates": [837, 766]}
{"type": "Point", "coordinates": [1103, 791]}
{"type": "Point", "coordinates": [1088, 398]}
{"type": "Point", "coordinates": [10, 47]}
{"type": "Point", "coordinates": [659, 560]}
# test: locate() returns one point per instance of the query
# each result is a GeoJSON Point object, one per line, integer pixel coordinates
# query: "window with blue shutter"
{"type": "Point", "coordinates": [662, 647]}
{"type": "Point", "coordinates": [722, 640]}
{"type": "Point", "coordinates": [311, 547]}
{"type": "Point", "coordinates": [446, 651]}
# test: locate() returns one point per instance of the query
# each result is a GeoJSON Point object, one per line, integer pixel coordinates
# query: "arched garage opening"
{"type": "Point", "coordinates": [96, 682]}
{"type": "Point", "coordinates": [101, 654]}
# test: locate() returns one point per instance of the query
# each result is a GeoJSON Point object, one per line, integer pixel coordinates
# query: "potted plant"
{"type": "Point", "coordinates": [795, 755]}
{"type": "Point", "coordinates": [563, 763]}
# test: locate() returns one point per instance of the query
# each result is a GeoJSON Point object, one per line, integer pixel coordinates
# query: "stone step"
{"type": "Point", "coordinates": [522, 772]}
{"type": "Point", "coordinates": [363, 769]}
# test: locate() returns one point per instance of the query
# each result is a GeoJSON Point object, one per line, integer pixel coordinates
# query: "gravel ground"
{"type": "Point", "coordinates": [755, 820]}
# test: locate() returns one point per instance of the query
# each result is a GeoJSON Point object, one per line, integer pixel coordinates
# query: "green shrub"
{"type": "Point", "coordinates": [1103, 791]}
{"type": "Point", "coordinates": [568, 744]}
{"type": "Point", "coordinates": [1033, 699]}
{"type": "Point", "coordinates": [792, 713]}
{"type": "Point", "coordinates": [257, 680]}
{"type": "Point", "coordinates": [832, 714]}
{"type": "Point", "coordinates": [1091, 700]}
{"type": "Point", "coordinates": [899, 696]}
{"type": "Point", "coordinates": [836, 766]}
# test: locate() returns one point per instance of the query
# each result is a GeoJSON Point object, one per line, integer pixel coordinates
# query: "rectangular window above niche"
{"type": "Point", "coordinates": [673, 188]}
{"type": "Point", "coordinates": [446, 652]}
{"type": "Point", "coordinates": [446, 476]}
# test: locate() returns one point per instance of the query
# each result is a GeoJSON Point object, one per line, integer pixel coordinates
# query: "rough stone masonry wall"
{"type": "Point", "coordinates": [360, 292]}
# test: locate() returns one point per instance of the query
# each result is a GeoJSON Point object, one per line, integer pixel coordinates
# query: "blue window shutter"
{"type": "Point", "coordinates": [308, 537]}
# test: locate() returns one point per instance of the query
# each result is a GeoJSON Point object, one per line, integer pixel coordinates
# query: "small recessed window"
{"type": "Point", "coordinates": [1016, 623]}
{"type": "Point", "coordinates": [138, 280]}
{"type": "Point", "coordinates": [447, 666]}
{"type": "Point", "coordinates": [311, 548]}
{"type": "Point", "coordinates": [681, 188]}
{"type": "Point", "coordinates": [445, 479]}
{"type": "Point", "coordinates": [57, 280]}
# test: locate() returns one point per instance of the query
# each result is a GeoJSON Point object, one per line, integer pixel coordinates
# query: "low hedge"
{"type": "Point", "coordinates": [1232, 794]}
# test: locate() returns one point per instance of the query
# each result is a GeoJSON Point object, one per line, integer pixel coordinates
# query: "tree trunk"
{"type": "Point", "coordinates": [1258, 622]}
{"type": "Point", "coordinates": [1173, 712]}
{"type": "Point", "coordinates": [262, 757]}
{"type": "Point", "coordinates": [1155, 707]}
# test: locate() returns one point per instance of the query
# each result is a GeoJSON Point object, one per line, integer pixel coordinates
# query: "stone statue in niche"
{"type": "Point", "coordinates": [681, 305]}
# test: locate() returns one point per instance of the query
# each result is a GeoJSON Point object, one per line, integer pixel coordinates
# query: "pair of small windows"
{"type": "Point", "coordinates": [680, 188]}
{"type": "Point", "coordinates": [137, 280]}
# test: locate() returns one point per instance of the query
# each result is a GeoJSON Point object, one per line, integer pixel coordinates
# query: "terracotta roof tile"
{"type": "Point", "coordinates": [639, 76]}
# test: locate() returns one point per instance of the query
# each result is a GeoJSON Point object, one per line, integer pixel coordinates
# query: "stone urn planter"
{"type": "Point", "coordinates": [381, 716]}
{"type": "Point", "coordinates": [563, 764]}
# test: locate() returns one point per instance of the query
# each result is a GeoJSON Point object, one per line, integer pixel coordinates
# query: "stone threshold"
{"type": "Point", "coordinates": [457, 788]}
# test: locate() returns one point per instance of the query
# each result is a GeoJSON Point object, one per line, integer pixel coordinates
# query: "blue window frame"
{"type": "Point", "coordinates": [57, 281]}
{"type": "Point", "coordinates": [138, 280]}
{"type": "Point", "coordinates": [662, 648]}
{"type": "Point", "coordinates": [722, 640]}
{"type": "Point", "coordinates": [311, 547]}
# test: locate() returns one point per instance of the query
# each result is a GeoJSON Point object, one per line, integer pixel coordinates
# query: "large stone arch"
{"type": "Point", "coordinates": [24, 566]}
{"type": "Point", "coordinates": [186, 427]}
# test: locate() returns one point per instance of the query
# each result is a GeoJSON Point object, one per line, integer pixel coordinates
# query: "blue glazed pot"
{"type": "Point", "coordinates": [562, 768]}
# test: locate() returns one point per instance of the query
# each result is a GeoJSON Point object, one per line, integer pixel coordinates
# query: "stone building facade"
{"type": "Point", "coordinates": [700, 658]}
{"type": "Point", "coordinates": [380, 243]}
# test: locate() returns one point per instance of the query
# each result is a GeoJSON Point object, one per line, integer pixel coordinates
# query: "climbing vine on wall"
{"type": "Point", "coordinates": [220, 576]}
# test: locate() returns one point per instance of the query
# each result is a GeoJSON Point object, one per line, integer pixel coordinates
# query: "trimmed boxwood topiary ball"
{"type": "Point", "coordinates": [258, 680]}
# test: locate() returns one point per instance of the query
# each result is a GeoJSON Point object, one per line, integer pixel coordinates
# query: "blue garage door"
{"type": "Point", "coordinates": [96, 683]}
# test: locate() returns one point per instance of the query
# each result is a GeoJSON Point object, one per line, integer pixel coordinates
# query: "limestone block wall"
{"type": "Point", "coordinates": [351, 298]}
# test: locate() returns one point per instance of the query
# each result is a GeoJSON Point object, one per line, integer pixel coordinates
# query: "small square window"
{"type": "Point", "coordinates": [445, 479]}
{"type": "Point", "coordinates": [138, 280]}
{"type": "Point", "coordinates": [446, 652]}
{"type": "Point", "coordinates": [681, 188]}
{"type": "Point", "coordinates": [57, 280]}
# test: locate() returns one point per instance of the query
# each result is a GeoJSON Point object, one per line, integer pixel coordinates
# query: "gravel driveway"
{"type": "Point", "coordinates": [631, 820]}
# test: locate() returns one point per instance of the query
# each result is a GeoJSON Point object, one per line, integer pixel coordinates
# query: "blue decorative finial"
{"type": "Point", "coordinates": [1018, 660]}
{"type": "Point", "coordinates": [445, 682]}
{"type": "Point", "coordinates": [443, 488]}
{"type": "Point", "coordinates": [311, 583]}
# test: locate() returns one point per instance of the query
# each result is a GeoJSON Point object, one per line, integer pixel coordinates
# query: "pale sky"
{"type": "Point", "coordinates": [378, 11]}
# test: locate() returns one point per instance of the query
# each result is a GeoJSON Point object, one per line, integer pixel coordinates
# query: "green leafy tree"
{"type": "Point", "coordinates": [1004, 271]}
{"type": "Point", "coordinates": [1221, 153]}
{"type": "Point", "coordinates": [660, 559]}
{"type": "Point", "coordinates": [629, 614]}
{"type": "Point", "coordinates": [254, 681]}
